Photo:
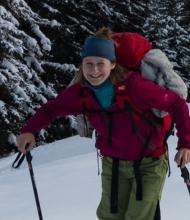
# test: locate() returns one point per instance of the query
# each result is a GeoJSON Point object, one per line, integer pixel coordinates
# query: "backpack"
{"type": "Point", "coordinates": [134, 52]}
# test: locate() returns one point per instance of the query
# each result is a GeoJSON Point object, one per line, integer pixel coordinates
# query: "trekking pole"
{"type": "Point", "coordinates": [185, 175]}
{"type": "Point", "coordinates": [29, 161]}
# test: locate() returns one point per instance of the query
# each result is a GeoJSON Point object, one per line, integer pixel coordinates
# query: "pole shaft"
{"type": "Point", "coordinates": [29, 159]}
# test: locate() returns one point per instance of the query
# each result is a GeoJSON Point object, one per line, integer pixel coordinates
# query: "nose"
{"type": "Point", "coordinates": [95, 69]}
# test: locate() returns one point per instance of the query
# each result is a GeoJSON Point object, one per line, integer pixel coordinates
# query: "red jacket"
{"type": "Point", "coordinates": [126, 144]}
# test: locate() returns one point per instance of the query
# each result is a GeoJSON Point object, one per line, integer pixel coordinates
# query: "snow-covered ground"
{"type": "Point", "coordinates": [69, 187]}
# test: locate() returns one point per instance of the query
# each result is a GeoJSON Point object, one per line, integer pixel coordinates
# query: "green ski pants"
{"type": "Point", "coordinates": [153, 173]}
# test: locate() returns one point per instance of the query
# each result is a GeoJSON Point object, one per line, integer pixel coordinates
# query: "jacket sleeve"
{"type": "Point", "coordinates": [147, 95]}
{"type": "Point", "coordinates": [66, 103]}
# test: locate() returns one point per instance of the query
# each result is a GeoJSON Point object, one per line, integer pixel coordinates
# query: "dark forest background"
{"type": "Point", "coordinates": [40, 44]}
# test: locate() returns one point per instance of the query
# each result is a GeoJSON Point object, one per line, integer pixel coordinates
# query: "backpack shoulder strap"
{"type": "Point", "coordinates": [84, 99]}
{"type": "Point", "coordinates": [124, 103]}
{"type": "Point", "coordinates": [121, 91]}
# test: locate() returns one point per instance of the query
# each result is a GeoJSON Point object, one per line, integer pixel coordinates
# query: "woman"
{"type": "Point", "coordinates": [118, 104]}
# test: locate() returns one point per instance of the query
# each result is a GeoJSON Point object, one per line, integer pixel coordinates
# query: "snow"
{"type": "Point", "coordinates": [10, 66]}
{"type": "Point", "coordinates": [32, 44]}
{"type": "Point", "coordinates": [53, 10]}
{"type": "Point", "coordinates": [62, 67]}
{"type": "Point", "coordinates": [21, 93]}
{"type": "Point", "coordinates": [69, 187]}
{"type": "Point", "coordinates": [8, 16]}
{"type": "Point", "coordinates": [46, 43]}
{"type": "Point", "coordinates": [33, 61]}
{"type": "Point", "coordinates": [2, 104]}
{"type": "Point", "coordinates": [55, 23]}
{"type": "Point", "coordinates": [3, 79]}
{"type": "Point", "coordinates": [17, 75]}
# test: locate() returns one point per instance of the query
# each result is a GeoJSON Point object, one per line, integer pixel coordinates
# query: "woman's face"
{"type": "Point", "coordinates": [96, 69]}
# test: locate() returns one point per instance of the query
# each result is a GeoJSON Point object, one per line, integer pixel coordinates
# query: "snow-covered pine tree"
{"type": "Point", "coordinates": [40, 45]}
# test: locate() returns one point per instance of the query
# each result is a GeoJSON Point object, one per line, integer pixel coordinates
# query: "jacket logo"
{"type": "Point", "coordinates": [121, 88]}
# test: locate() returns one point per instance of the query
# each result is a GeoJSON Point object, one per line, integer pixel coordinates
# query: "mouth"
{"type": "Point", "coordinates": [95, 77]}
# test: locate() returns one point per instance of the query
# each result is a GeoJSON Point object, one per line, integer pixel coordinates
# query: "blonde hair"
{"type": "Point", "coordinates": [118, 74]}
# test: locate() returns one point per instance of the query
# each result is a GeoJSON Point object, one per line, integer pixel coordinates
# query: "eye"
{"type": "Point", "coordinates": [89, 64]}
{"type": "Point", "coordinates": [100, 64]}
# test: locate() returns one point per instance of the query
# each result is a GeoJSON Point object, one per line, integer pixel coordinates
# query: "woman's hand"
{"type": "Point", "coordinates": [25, 142]}
{"type": "Point", "coordinates": [182, 157]}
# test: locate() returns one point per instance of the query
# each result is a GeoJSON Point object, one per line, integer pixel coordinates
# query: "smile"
{"type": "Point", "coordinates": [95, 77]}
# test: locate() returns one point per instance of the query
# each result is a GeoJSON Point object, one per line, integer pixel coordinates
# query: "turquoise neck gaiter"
{"type": "Point", "coordinates": [104, 93]}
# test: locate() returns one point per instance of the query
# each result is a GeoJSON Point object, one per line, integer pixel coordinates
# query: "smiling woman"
{"type": "Point", "coordinates": [130, 138]}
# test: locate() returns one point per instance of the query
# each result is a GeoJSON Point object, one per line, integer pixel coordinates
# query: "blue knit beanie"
{"type": "Point", "coordinates": [99, 47]}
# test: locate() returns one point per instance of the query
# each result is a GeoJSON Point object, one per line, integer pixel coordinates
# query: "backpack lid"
{"type": "Point", "coordinates": [130, 49]}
